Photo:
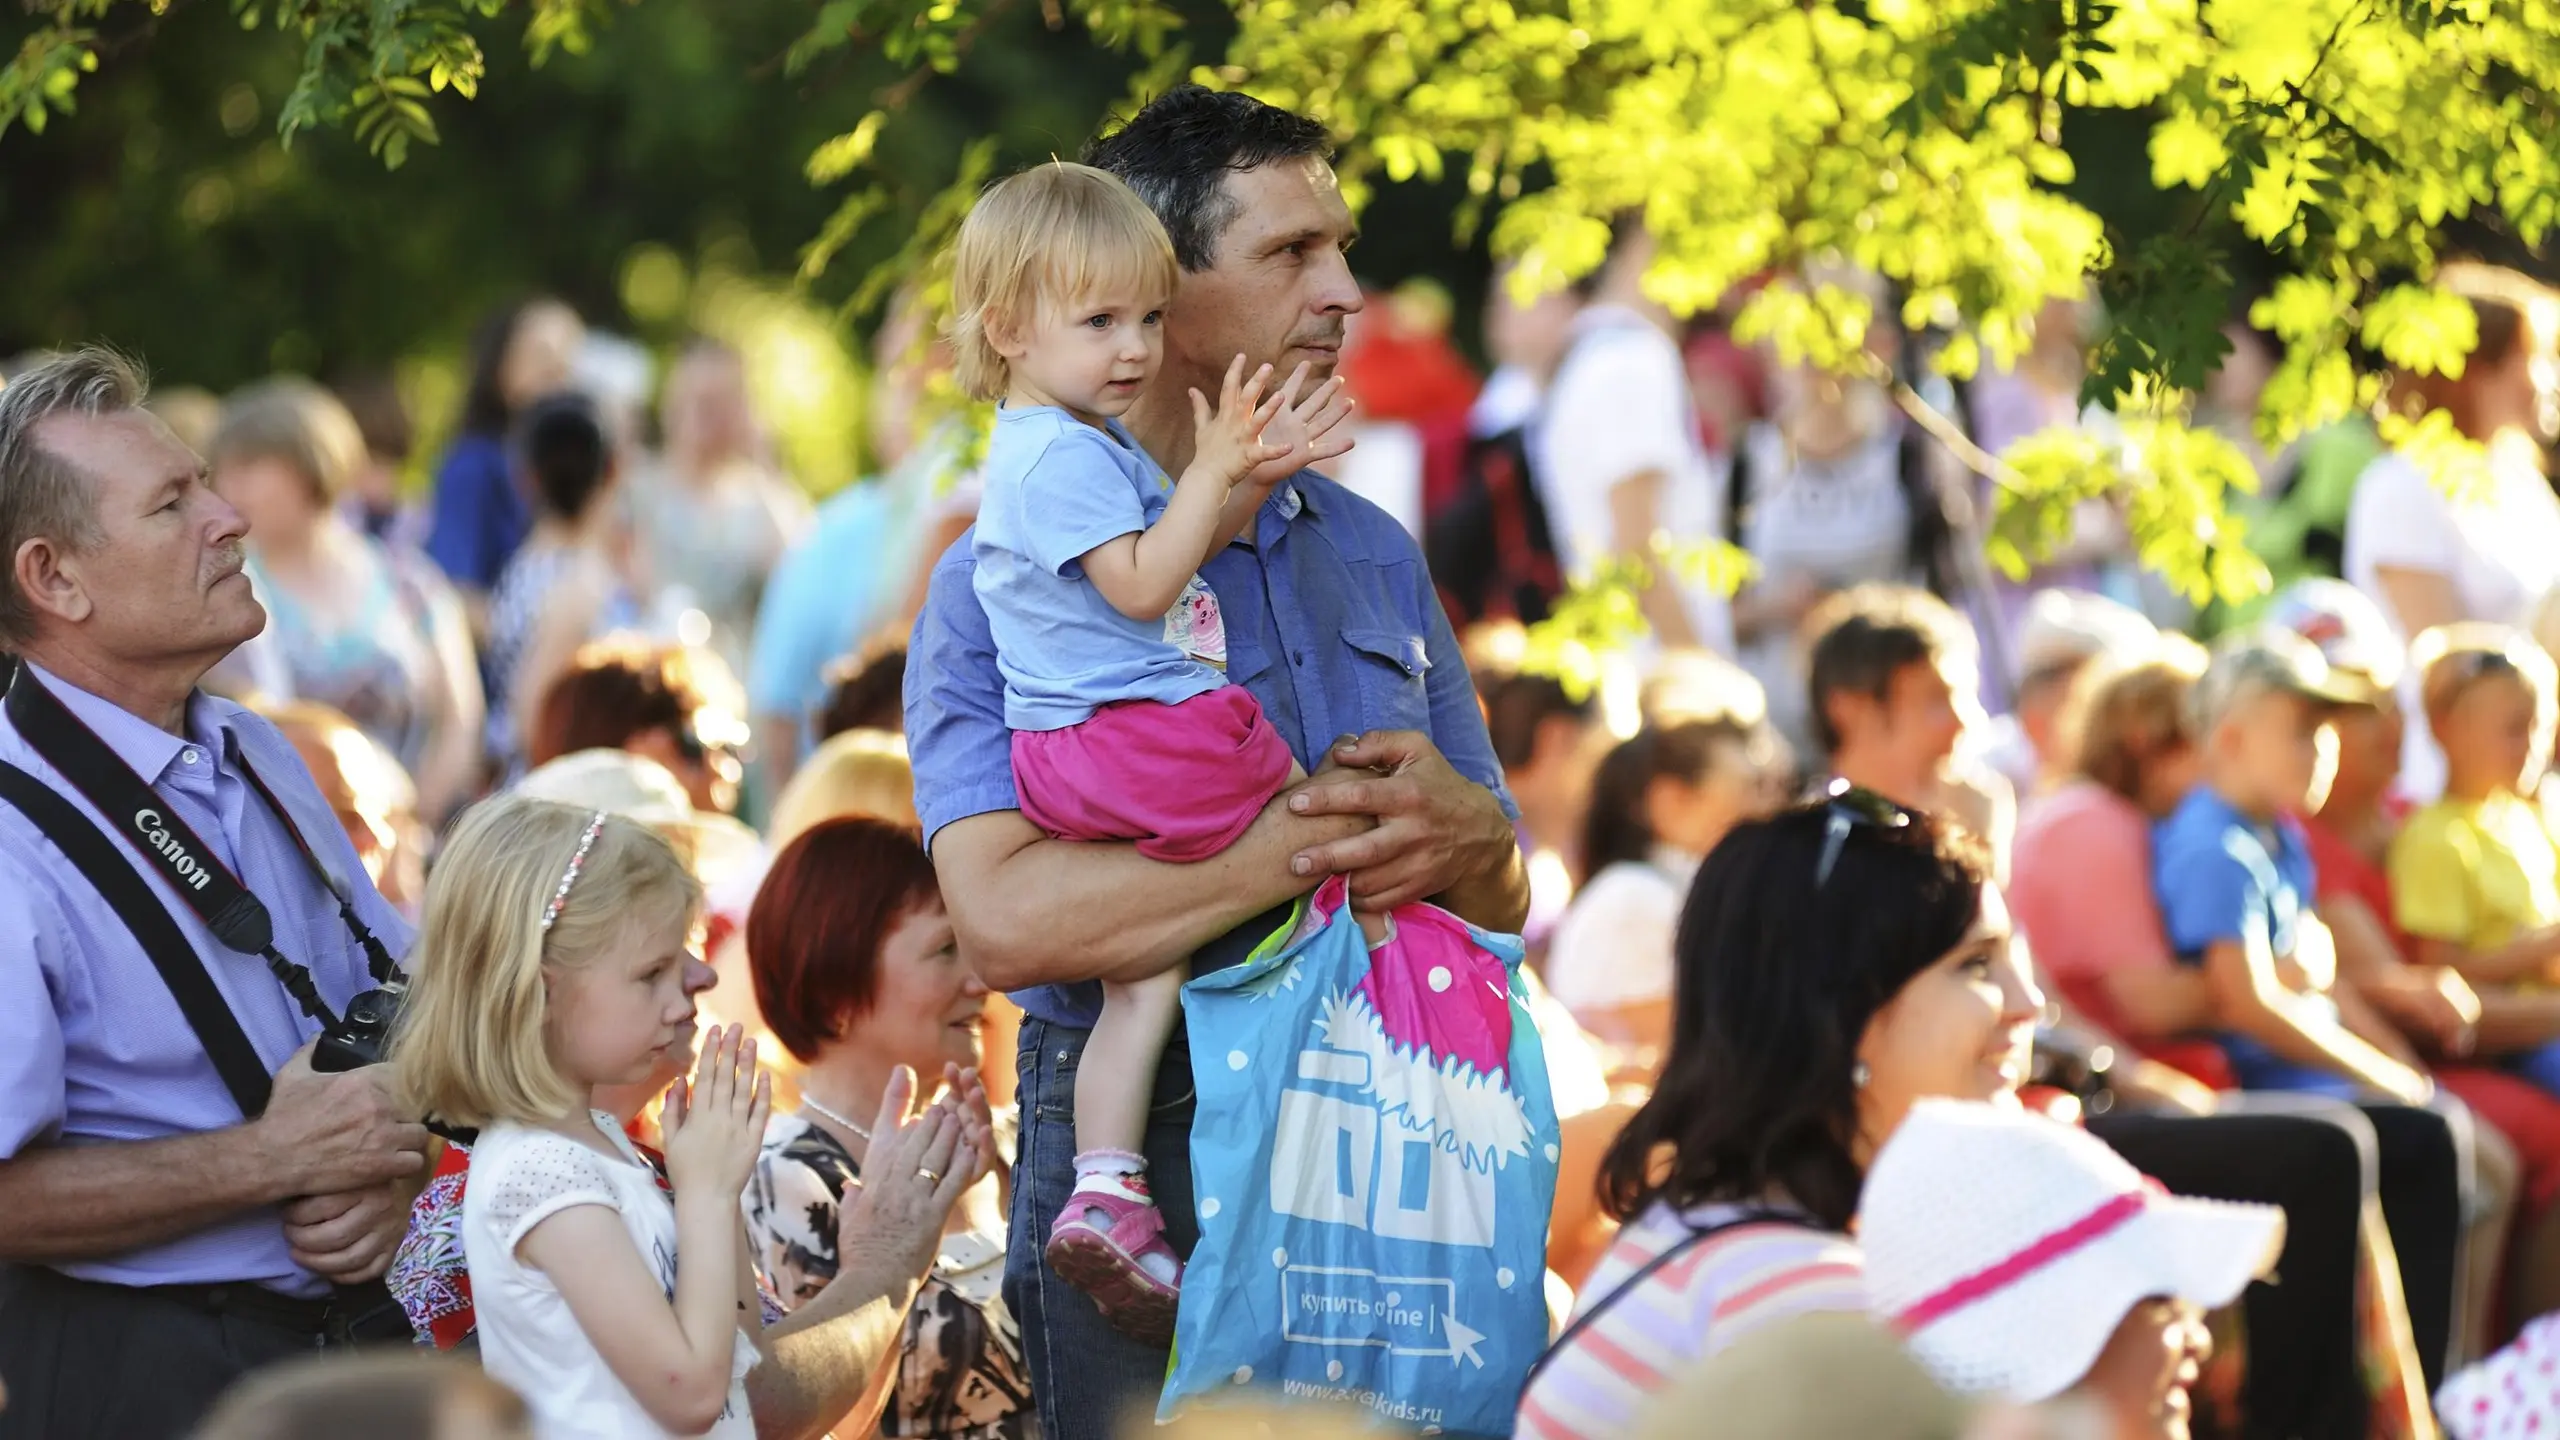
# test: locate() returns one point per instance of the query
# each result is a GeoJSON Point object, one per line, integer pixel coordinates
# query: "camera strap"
{"type": "Point", "coordinates": [153, 830]}
{"type": "Point", "coordinates": [181, 969]}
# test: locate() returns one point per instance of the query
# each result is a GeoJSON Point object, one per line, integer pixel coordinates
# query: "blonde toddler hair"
{"type": "Point", "coordinates": [1046, 237]}
{"type": "Point", "coordinates": [469, 1048]}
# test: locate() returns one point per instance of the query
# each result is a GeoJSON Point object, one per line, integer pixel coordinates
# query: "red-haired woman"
{"type": "Point", "coordinates": [858, 974]}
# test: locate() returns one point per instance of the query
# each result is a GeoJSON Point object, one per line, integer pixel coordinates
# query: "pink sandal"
{"type": "Point", "coordinates": [1105, 1263]}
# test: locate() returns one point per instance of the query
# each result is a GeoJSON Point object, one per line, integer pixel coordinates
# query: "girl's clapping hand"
{"type": "Point", "coordinates": [714, 1122]}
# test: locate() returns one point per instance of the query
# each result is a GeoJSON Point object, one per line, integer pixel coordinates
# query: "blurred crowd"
{"type": "Point", "coordinates": [2305, 879]}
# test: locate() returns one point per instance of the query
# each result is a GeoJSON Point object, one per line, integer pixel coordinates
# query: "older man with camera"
{"type": "Point", "coordinates": [186, 1197]}
{"type": "Point", "coordinates": [200, 1170]}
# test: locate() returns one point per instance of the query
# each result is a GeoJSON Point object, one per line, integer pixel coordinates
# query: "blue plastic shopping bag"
{"type": "Point", "coordinates": [1374, 1160]}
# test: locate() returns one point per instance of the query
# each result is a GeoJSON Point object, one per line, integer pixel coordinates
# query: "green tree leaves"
{"type": "Point", "coordinates": [1925, 140]}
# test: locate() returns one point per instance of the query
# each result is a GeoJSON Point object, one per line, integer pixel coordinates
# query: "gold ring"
{"type": "Point", "coordinates": [931, 1176]}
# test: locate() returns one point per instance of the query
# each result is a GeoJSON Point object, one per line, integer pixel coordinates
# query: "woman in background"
{"type": "Point", "coordinates": [2489, 548]}
{"type": "Point", "coordinates": [565, 586]}
{"type": "Point", "coordinates": [372, 632]}
{"type": "Point", "coordinates": [518, 355]}
{"type": "Point", "coordinates": [1659, 803]}
{"type": "Point", "coordinates": [858, 974]}
{"type": "Point", "coordinates": [710, 518]}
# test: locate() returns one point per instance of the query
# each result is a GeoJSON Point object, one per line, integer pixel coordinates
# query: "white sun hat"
{"type": "Point", "coordinates": [2006, 1248]}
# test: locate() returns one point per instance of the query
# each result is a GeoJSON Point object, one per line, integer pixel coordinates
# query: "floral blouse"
{"type": "Point", "coordinates": [429, 1277]}
{"type": "Point", "coordinates": [960, 1370]}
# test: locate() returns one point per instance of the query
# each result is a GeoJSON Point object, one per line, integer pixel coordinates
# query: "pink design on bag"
{"type": "Point", "coordinates": [1435, 990]}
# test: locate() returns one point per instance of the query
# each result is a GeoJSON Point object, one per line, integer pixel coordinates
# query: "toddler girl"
{"type": "Point", "coordinates": [551, 965]}
{"type": "Point", "coordinates": [1112, 650]}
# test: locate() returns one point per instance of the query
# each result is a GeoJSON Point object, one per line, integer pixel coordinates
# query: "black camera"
{"type": "Point", "coordinates": [2076, 1063]}
{"type": "Point", "coordinates": [358, 1037]}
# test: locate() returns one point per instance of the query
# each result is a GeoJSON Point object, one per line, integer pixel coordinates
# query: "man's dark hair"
{"type": "Point", "coordinates": [1864, 637]}
{"type": "Point", "coordinates": [1778, 966]}
{"type": "Point", "coordinates": [1622, 228]}
{"type": "Point", "coordinates": [1178, 151]}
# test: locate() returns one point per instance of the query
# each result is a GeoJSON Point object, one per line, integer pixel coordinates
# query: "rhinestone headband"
{"type": "Point", "coordinates": [569, 877]}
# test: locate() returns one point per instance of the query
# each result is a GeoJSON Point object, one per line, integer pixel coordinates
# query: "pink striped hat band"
{"type": "Point", "coordinates": [1994, 1278]}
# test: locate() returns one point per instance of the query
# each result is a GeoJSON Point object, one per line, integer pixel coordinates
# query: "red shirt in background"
{"type": "Point", "coordinates": [2343, 871]}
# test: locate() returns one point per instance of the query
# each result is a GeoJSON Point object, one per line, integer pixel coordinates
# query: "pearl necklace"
{"type": "Point", "coordinates": [807, 1103]}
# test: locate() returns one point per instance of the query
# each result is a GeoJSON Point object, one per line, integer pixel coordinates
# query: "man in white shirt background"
{"type": "Point", "coordinates": [1617, 456]}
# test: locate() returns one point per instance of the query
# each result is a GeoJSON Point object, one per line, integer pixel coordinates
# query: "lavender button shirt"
{"type": "Point", "coordinates": [92, 1047]}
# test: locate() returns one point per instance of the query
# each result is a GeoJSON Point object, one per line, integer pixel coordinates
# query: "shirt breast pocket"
{"type": "Point", "coordinates": [1394, 671]}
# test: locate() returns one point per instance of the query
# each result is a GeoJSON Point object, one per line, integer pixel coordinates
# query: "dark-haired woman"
{"type": "Point", "coordinates": [518, 355]}
{"type": "Point", "coordinates": [1659, 802]}
{"type": "Point", "coordinates": [857, 973]}
{"type": "Point", "coordinates": [566, 586]}
{"type": "Point", "coordinates": [1835, 964]}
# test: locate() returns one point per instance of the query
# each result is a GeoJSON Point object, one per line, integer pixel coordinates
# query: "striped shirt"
{"type": "Point", "coordinates": [1714, 1293]}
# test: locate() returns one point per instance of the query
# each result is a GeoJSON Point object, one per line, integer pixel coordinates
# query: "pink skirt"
{"type": "Point", "coordinates": [1182, 780]}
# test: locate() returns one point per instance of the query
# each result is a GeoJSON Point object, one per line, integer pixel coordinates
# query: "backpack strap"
{"type": "Point", "coordinates": [130, 896]}
{"type": "Point", "coordinates": [1698, 1235]}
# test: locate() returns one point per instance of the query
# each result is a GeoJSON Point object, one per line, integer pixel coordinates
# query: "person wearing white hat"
{"type": "Point", "coordinates": [2021, 1258]}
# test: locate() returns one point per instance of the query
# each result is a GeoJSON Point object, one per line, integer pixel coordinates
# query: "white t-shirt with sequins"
{"type": "Point", "coordinates": [521, 1176]}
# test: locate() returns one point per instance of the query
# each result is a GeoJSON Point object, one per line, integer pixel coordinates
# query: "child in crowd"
{"type": "Point", "coordinates": [2022, 1260]}
{"type": "Point", "coordinates": [2475, 880]}
{"type": "Point", "coordinates": [1112, 649]}
{"type": "Point", "coordinates": [2235, 878]}
{"type": "Point", "coordinates": [552, 964]}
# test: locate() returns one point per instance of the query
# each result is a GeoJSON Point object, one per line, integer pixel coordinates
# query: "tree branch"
{"type": "Point", "coordinates": [896, 96]}
{"type": "Point", "coordinates": [1944, 430]}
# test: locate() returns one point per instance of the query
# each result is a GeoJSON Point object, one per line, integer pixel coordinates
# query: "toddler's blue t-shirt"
{"type": "Point", "coordinates": [1056, 488]}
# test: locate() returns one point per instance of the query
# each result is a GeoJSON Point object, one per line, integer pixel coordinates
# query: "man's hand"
{"type": "Point", "coordinates": [330, 1134]}
{"type": "Point", "coordinates": [348, 1237]}
{"type": "Point", "coordinates": [1436, 829]}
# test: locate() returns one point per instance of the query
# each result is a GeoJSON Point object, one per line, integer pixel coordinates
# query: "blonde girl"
{"type": "Point", "coordinates": [1112, 648]}
{"type": "Point", "coordinates": [550, 964]}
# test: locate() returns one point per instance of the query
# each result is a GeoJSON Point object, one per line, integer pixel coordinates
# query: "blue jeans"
{"type": "Point", "coordinates": [2541, 1066]}
{"type": "Point", "coordinates": [1086, 1377]}
{"type": "Point", "coordinates": [2258, 1068]}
